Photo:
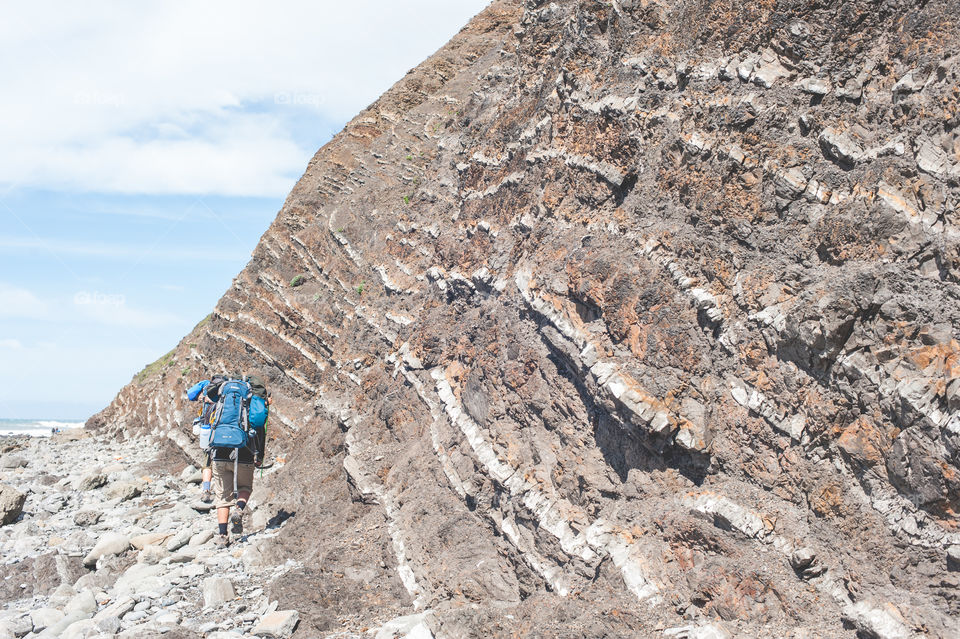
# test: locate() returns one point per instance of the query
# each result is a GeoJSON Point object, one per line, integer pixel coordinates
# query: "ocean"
{"type": "Point", "coordinates": [34, 427]}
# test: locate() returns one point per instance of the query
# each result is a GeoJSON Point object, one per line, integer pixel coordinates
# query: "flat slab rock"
{"type": "Point", "coordinates": [217, 590]}
{"type": "Point", "coordinates": [149, 539]}
{"type": "Point", "coordinates": [279, 624]}
{"type": "Point", "coordinates": [111, 543]}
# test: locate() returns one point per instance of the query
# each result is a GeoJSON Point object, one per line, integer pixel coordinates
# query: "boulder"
{"type": "Point", "coordinates": [58, 629]}
{"type": "Point", "coordinates": [16, 627]}
{"type": "Point", "coordinates": [191, 475]}
{"type": "Point", "coordinates": [711, 631]}
{"type": "Point", "coordinates": [141, 578]}
{"type": "Point", "coordinates": [124, 490]}
{"type": "Point", "coordinates": [279, 624]}
{"type": "Point", "coordinates": [81, 629]}
{"type": "Point", "coordinates": [814, 86]}
{"type": "Point", "coordinates": [804, 562]}
{"type": "Point", "coordinates": [217, 590]}
{"type": "Point", "coordinates": [840, 147]}
{"type": "Point", "coordinates": [62, 594]}
{"type": "Point", "coordinates": [117, 609]}
{"type": "Point", "coordinates": [201, 538]}
{"type": "Point", "coordinates": [87, 517]}
{"type": "Point", "coordinates": [11, 504]}
{"type": "Point", "coordinates": [44, 618]}
{"type": "Point", "coordinates": [53, 504]}
{"type": "Point", "coordinates": [109, 625]}
{"type": "Point", "coordinates": [9, 462]}
{"type": "Point", "coordinates": [184, 555]}
{"type": "Point", "coordinates": [109, 544]}
{"type": "Point", "coordinates": [152, 554]}
{"type": "Point", "coordinates": [83, 603]}
{"type": "Point", "coordinates": [97, 580]}
{"type": "Point", "coordinates": [202, 507]}
{"type": "Point", "coordinates": [408, 626]}
{"type": "Point", "coordinates": [179, 540]}
{"type": "Point", "coordinates": [878, 622]}
{"type": "Point", "coordinates": [135, 616]}
{"type": "Point", "coordinates": [167, 617]}
{"type": "Point", "coordinates": [193, 570]}
{"type": "Point", "coordinates": [92, 481]}
{"type": "Point", "coordinates": [149, 539]}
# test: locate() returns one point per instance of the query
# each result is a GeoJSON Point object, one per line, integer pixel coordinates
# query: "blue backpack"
{"type": "Point", "coordinates": [258, 412]}
{"type": "Point", "coordinates": [230, 423]}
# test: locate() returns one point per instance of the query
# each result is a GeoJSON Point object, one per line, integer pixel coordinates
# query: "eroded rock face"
{"type": "Point", "coordinates": [608, 318]}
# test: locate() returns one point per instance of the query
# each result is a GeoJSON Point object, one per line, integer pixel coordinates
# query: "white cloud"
{"type": "Point", "coordinates": [233, 163]}
{"type": "Point", "coordinates": [12, 344]}
{"type": "Point", "coordinates": [162, 251]}
{"type": "Point", "coordinates": [196, 97]}
{"type": "Point", "coordinates": [16, 302]}
{"type": "Point", "coordinates": [112, 310]}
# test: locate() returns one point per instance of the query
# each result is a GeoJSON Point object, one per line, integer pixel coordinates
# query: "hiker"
{"type": "Point", "coordinates": [237, 446]}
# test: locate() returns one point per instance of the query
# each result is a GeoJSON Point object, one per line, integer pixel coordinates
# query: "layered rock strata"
{"type": "Point", "coordinates": [627, 318]}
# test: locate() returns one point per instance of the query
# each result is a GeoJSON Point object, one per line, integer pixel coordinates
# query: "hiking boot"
{"type": "Point", "coordinates": [236, 518]}
{"type": "Point", "coordinates": [221, 541]}
{"type": "Point", "coordinates": [206, 497]}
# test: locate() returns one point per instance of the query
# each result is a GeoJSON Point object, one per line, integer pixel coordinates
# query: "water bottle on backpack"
{"type": "Point", "coordinates": [204, 436]}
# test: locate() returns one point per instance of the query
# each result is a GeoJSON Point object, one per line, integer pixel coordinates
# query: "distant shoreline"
{"type": "Point", "coordinates": [35, 427]}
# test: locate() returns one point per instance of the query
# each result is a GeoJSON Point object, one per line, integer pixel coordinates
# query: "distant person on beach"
{"type": "Point", "coordinates": [233, 465]}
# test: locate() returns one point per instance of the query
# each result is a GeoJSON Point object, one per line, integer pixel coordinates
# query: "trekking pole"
{"type": "Point", "coordinates": [236, 465]}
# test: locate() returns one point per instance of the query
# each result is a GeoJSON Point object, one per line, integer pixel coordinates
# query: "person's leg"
{"type": "Point", "coordinates": [206, 489]}
{"type": "Point", "coordinates": [223, 486]}
{"type": "Point", "coordinates": [206, 477]}
{"type": "Point", "coordinates": [244, 488]}
{"type": "Point", "coordinates": [223, 516]}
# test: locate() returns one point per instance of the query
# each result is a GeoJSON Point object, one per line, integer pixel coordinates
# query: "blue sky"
{"type": "Point", "coordinates": [147, 146]}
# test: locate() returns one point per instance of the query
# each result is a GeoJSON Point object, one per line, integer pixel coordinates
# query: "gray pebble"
{"type": "Point", "coordinates": [135, 615]}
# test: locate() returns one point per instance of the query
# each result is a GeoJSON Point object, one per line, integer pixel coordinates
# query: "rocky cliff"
{"type": "Point", "coordinates": [618, 318]}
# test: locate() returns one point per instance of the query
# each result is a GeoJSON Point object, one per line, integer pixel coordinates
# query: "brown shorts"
{"type": "Point", "coordinates": [223, 481]}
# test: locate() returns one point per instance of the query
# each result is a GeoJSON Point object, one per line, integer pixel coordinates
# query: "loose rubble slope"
{"type": "Point", "coordinates": [111, 543]}
{"type": "Point", "coordinates": [626, 318]}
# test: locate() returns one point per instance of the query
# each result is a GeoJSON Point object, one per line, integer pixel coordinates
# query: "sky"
{"type": "Point", "coordinates": [146, 146]}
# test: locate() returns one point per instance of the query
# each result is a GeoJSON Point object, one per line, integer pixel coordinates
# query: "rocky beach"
{"type": "Point", "coordinates": [111, 541]}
